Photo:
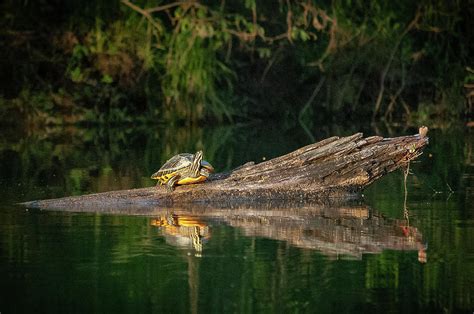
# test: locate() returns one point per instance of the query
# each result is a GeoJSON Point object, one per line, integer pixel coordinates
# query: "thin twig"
{"type": "Point", "coordinates": [389, 63]}
{"type": "Point", "coordinates": [405, 208]}
{"type": "Point", "coordinates": [306, 106]}
{"type": "Point", "coordinates": [449, 187]}
{"type": "Point", "coordinates": [143, 12]}
{"type": "Point", "coordinates": [397, 94]}
{"type": "Point", "coordinates": [435, 191]}
{"type": "Point", "coordinates": [270, 64]}
{"type": "Point", "coordinates": [406, 107]}
{"type": "Point", "coordinates": [289, 16]}
{"type": "Point", "coordinates": [169, 6]}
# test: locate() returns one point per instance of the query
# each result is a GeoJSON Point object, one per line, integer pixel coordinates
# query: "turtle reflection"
{"type": "Point", "coordinates": [183, 231]}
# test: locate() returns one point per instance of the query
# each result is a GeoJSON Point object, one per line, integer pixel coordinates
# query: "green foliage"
{"type": "Point", "coordinates": [191, 61]}
{"type": "Point", "coordinates": [469, 78]}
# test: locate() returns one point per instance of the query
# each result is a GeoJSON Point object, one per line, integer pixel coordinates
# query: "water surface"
{"type": "Point", "coordinates": [372, 255]}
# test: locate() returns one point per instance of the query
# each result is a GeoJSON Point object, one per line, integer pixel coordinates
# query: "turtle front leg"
{"type": "Point", "coordinates": [161, 181]}
{"type": "Point", "coordinates": [172, 182]}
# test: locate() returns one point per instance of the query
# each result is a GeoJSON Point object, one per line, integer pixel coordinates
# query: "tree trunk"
{"type": "Point", "coordinates": [332, 168]}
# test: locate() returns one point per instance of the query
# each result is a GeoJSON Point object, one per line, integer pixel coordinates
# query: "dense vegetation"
{"type": "Point", "coordinates": [190, 61]}
{"type": "Point", "coordinates": [187, 63]}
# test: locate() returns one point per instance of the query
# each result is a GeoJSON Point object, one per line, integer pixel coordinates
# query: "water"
{"type": "Point", "coordinates": [366, 256]}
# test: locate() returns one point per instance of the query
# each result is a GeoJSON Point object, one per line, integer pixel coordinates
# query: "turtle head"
{"type": "Point", "coordinates": [156, 175]}
{"type": "Point", "coordinates": [197, 162]}
{"type": "Point", "coordinates": [206, 165]}
{"type": "Point", "coordinates": [206, 169]}
{"type": "Point", "coordinates": [198, 155]}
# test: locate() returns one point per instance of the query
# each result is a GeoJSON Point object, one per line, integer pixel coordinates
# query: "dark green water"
{"type": "Point", "coordinates": [362, 257]}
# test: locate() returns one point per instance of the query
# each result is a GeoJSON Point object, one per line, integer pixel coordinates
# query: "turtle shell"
{"type": "Point", "coordinates": [175, 164]}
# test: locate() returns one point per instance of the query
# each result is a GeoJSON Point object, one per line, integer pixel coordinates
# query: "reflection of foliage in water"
{"type": "Point", "coordinates": [439, 194]}
{"type": "Point", "coordinates": [444, 167]}
{"type": "Point", "coordinates": [105, 258]}
{"type": "Point", "coordinates": [78, 160]}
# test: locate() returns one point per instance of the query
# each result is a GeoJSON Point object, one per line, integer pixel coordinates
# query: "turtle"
{"type": "Point", "coordinates": [183, 168]}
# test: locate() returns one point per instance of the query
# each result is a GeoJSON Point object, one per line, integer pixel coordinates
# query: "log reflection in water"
{"type": "Point", "coordinates": [347, 230]}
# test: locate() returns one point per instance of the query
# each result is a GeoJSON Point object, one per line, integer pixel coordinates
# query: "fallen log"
{"type": "Point", "coordinates": [332, 168]}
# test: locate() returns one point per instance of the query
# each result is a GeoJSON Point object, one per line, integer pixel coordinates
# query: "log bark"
{"type": "Point", "coordinates": [332, 168]}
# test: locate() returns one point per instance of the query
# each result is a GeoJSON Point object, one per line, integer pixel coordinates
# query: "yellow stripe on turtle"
{"type": "Point", "coordinates": [189, 180]}
{"type": "Point", "coordinates": [165, 178]}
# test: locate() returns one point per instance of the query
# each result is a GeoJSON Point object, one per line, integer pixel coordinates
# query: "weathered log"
{"type": "Point", "coordinates": [334, 167]}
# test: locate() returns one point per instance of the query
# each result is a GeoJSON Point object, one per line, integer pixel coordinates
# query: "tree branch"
{"type": "Point", "coordinates": [410, 26]}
